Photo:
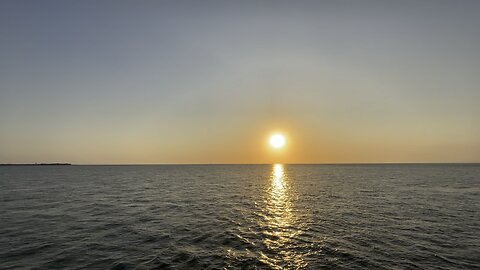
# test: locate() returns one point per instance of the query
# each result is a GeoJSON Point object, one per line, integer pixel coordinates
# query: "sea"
{"type": "Point", "coordinates": [276, 216]}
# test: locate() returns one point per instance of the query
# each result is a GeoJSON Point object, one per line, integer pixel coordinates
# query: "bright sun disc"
{"type": "Point", "coordinates": [277, 140]}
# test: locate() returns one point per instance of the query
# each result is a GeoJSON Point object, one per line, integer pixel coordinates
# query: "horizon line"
{"type": "Point", "coordinates": [180, 164]}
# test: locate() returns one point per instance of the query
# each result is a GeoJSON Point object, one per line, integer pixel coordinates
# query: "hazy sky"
{"type": "Point", "coordinates": [209, 81]}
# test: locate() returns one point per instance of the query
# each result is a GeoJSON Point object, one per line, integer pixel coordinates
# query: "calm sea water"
{"type": "Point", "coordinates": [240, 217]}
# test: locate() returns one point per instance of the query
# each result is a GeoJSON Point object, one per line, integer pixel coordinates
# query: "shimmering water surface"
{"type": "Point", "coordinates": [240, 217]}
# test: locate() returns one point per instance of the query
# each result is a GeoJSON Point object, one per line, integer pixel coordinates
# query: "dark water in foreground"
{"type": "Point", "coordinates": [240, 217]}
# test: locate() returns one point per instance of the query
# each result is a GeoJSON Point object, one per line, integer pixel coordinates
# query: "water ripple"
{"type": "Point", "coordinates": [240, 217]}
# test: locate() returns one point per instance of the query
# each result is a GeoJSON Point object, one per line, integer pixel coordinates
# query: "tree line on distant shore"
{"type": "Point", "coordinates": [35, 164]}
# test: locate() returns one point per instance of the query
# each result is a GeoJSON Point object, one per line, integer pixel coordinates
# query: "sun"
{"type": "Point", "coordinates": [277, 140]}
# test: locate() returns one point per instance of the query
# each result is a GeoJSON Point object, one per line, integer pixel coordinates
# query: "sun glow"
{"type": "Point", "coordinates": [277, 141]}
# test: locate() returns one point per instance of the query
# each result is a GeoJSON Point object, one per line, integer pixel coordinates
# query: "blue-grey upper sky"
{"type": "Point", "coordinates": [208, 81]}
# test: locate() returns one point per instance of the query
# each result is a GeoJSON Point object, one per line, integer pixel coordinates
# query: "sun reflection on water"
{"type": "Point", "coordinates": [280, 224]}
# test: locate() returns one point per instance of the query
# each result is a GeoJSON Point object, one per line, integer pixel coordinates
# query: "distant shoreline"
{"type": "Point", "coordinates": [36, 164]}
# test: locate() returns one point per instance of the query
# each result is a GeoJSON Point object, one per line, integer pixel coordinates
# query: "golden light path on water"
{"type": "Point", "coordinates": [280, 224]}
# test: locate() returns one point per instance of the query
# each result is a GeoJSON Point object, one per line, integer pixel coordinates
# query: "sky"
{"type": "Point", "coordinates": [140, 82]}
